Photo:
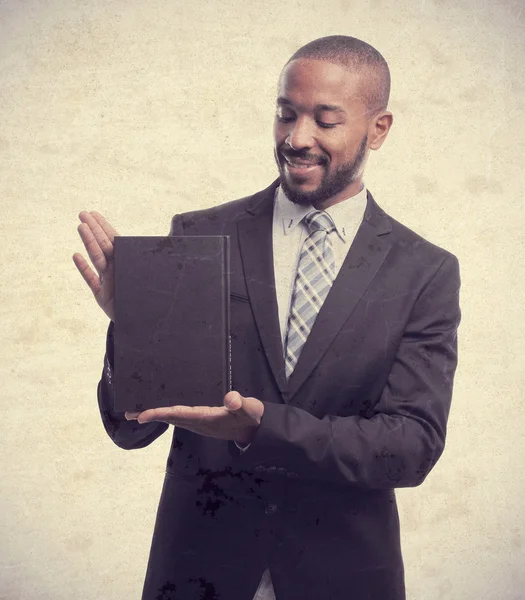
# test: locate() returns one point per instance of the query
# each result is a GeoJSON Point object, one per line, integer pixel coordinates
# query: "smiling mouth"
{"type": "Point", "coordinates": [300, 164]}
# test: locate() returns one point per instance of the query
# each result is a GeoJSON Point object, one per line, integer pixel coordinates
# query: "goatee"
{"type": "Point", "coordinates": [331, 184]}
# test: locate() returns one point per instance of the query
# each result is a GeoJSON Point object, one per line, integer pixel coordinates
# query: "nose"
{"type": "Point", "coordinates": [300, 135]}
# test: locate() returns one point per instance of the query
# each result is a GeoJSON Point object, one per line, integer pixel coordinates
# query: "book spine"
{"type": "Point", "coordinates": [226, 272]}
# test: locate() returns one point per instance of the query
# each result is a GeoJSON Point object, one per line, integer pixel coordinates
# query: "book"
{"type": "Point", "coordinates": [171, 321]}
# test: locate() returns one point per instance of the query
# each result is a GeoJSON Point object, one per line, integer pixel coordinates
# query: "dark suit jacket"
{"type": "Point", "coordinates": [364, 412]}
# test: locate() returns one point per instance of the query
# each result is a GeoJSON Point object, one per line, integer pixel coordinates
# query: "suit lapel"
{"type": "Point", "coordinates": [365, 257]}
{"type": "Point", "coordinates": [359, 268]}
{"type": "Point", "coordinates": [255, 241]}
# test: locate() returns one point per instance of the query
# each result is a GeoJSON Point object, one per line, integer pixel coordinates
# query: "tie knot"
{"type": "Point", "coordinates": [318, 220]}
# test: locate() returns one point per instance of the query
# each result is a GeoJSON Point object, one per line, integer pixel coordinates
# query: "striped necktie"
{"type": "Point", "coordinates": [314, 278]}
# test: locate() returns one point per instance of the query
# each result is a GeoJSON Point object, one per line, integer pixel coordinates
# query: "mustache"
{"type": "Point", "coordinates": [302, 155]}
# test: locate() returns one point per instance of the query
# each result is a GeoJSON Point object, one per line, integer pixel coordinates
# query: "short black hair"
{"type": "Point", "coordinates": [356, 56]}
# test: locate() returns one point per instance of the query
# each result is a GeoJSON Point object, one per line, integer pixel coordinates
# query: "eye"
{"type": "Point", "coordinates": [285, 114]}
{"type": "Point", "coordinates": [324, 125]}
{"type": "Point", "coordinates": [283, 119]}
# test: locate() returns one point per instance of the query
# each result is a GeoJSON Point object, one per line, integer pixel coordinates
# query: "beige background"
{"type": "Point", "coordinates": [141, 110]}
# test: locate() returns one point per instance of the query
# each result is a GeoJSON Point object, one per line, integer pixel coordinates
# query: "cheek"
{"type": "Point", "coordinates": [337, 143]}
{"type": "Point", "coordinates": [347, 150]}
{"type": "Point", "coordinates": [339, 152]}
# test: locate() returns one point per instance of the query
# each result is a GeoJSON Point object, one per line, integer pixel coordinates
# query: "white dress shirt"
{"type": "Point", "coordinates": [288, 235]}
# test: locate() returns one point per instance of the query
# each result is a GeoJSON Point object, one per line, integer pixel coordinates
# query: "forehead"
{"type": "Point", "coordinates": [312, 82]}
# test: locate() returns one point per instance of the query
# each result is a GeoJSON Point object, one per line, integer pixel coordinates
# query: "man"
{"type": "Point", "coordinates": [343, 327]}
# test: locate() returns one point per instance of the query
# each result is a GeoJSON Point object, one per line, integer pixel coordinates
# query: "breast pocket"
{"type": "Point", "coordinates": [235, 297]}
{"type": "Point", "coordinates": [241, 316]}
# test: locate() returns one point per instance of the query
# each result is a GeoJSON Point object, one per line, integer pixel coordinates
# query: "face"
{"type": "Point", "coordinates": [321, 132]}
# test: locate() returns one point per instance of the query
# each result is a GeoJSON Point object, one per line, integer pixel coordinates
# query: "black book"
{"type": "Point", "coordinates": [171, 321]}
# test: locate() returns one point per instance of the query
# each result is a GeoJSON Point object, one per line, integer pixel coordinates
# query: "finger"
{"type": "Point", "coordinates": [181, 415]}
{"type": "Point", "coordinates": [97, 235]}
{"type": "Point", "coordinates": [108, 229]}
{"type": "Point", "coordinates": [130, 415]}
{"type": "Point", "coordinates": [171, 412]}
{"type": "Point", "coordinates": [233, 401]}
{"type": "Point", "coordinates": [96, 254]}
{"type": "Point", "coordinates": [90, 277]}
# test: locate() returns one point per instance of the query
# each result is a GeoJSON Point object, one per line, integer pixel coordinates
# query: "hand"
{"type": "Point", "coordinates": [98, 236]}
{"type": "Point", "coordinates": [237, 420]}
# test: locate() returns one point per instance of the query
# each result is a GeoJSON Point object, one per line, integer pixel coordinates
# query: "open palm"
{"type": "Point", "coordinates": [98, 236]}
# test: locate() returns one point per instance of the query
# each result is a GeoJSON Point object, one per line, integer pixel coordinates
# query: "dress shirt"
{"type": "Point", "coordinates": [288, 236]}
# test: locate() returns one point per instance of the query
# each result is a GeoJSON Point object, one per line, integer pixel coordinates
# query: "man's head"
{"type": "Point", "coordinates": [331, 110]}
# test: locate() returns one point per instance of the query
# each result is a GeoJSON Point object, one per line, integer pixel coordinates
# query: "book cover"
{"type": "Point", "coordinates": [171, 321]}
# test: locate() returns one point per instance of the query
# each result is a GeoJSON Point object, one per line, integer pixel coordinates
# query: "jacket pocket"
{"type": "Point", "coordinates": [239, 298]}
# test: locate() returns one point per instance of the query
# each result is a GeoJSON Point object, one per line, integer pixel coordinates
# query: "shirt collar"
{"type": "Point", "coordinates": [290, 215]}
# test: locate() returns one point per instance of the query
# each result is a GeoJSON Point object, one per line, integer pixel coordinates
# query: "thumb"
{"type": "Point", "coordinates": [233, 401]}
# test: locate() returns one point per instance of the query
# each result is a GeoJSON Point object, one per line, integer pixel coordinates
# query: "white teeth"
{"type": "Point", "coordinates": [301, 165]}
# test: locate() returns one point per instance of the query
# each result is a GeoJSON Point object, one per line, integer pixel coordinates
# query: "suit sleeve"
{"type": "Point", "coordinates": [126, 434]}
{"type": "Point", "coordinates": [405, 435]}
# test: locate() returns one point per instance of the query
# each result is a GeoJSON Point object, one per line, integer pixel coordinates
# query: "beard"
{"type": "Point", "coordinates": [331, 183]}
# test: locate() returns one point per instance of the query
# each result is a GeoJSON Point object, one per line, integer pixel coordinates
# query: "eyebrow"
{"type": "Point", "coordinates": [319, 107]}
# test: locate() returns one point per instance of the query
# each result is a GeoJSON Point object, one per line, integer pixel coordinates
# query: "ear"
{"type": "Point", "coordinates": [378, 129]}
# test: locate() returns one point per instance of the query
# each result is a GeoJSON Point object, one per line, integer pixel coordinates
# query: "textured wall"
{"type": "Point", "coordinates": [140, 110]}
